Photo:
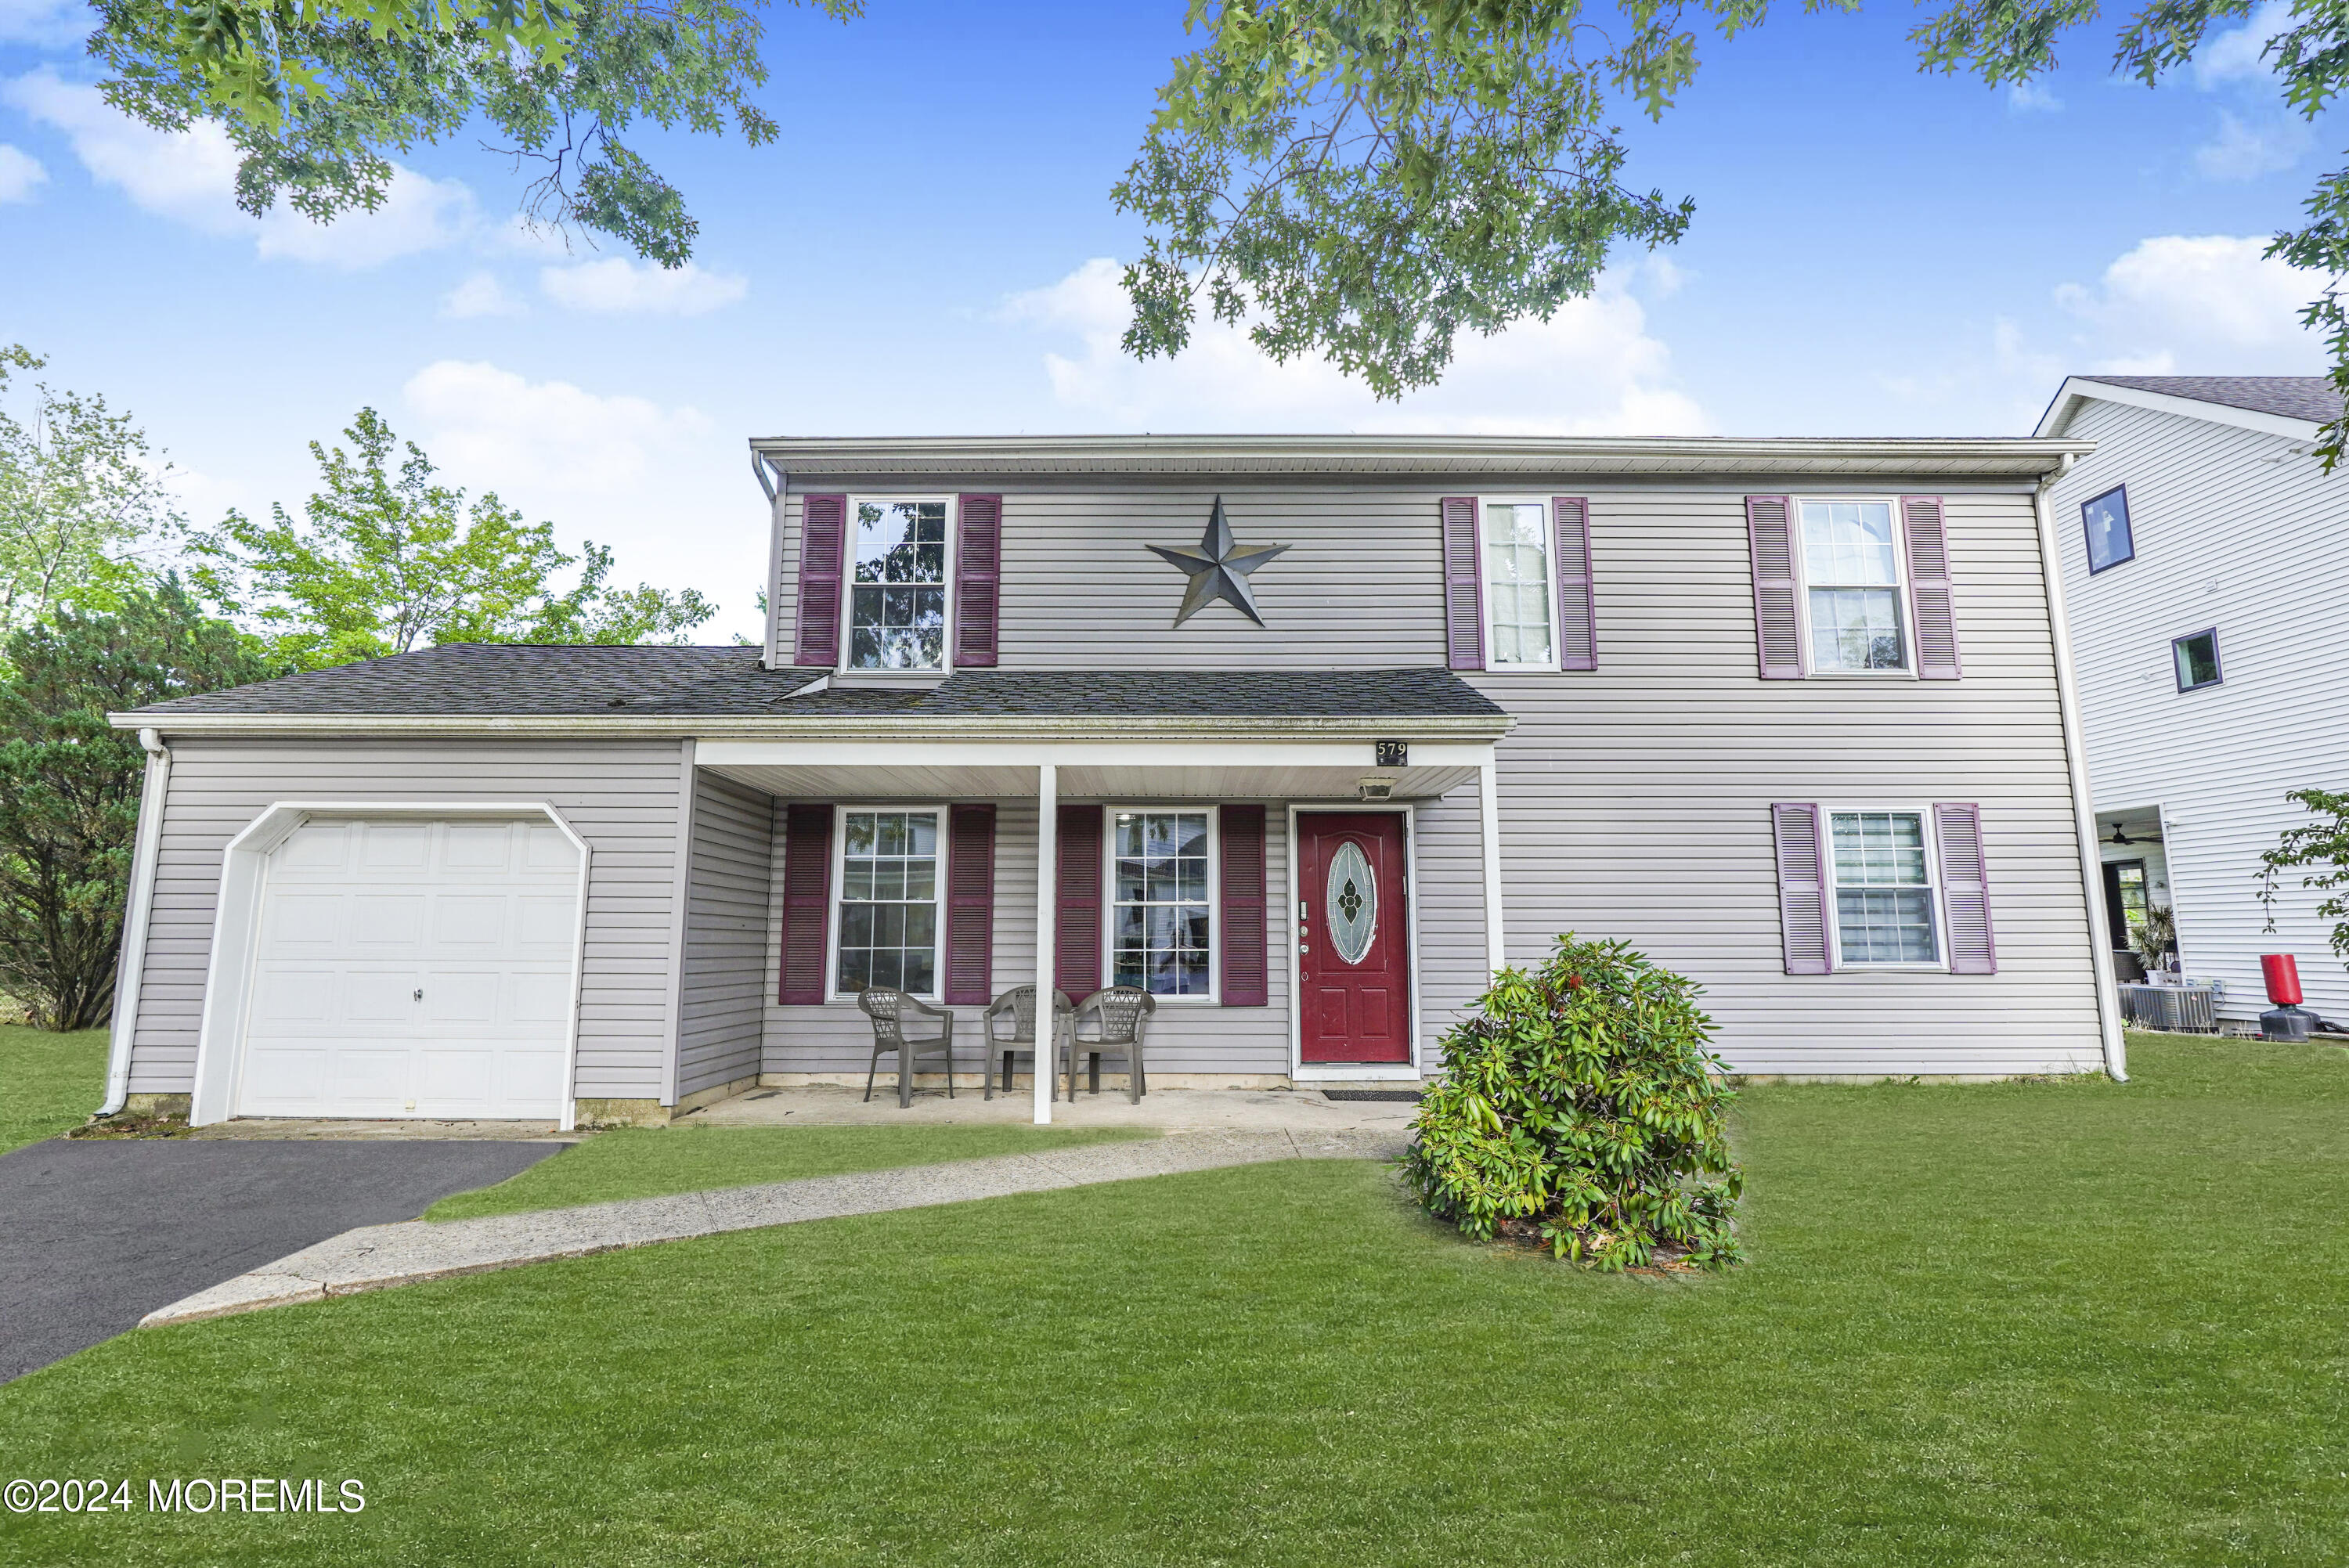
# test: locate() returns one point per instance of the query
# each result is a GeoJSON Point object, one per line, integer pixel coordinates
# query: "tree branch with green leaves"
{"type": "Point", "coordinates": [318, 96]}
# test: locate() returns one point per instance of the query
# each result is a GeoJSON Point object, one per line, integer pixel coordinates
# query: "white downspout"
{"type": "Point", "coordinates": [2075, 759]}
{"type": "Point", "coordinates": [136, 914]}
{"type": "Point", "coordinates": [1047, 827]}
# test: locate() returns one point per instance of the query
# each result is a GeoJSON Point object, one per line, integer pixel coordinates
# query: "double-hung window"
{"type": "Point", "coordinates": [1853, 599]}
{"type": "Point", "coordinates": [889, 900]}
{"type": "Point", "coordinates": [1162, 930]}
{"type": "Point", "coordinates": [1519, 587]}
{"type": "Point", "coordinates": [1885, 900]}
{"type": "Point", "coordinates": [897, 602]}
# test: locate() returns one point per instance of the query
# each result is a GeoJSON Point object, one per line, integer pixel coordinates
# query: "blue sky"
{"type": "Point", "coordinates": [929, 247]}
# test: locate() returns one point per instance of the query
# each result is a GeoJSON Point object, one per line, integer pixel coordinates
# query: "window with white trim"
{"type": "Point", "coordinates": [888, 901]}
{"type": "Point", "coordinates": [1885, 899]}
{"type": "Point", "coordinates": [1854, 609]}
{"type": "Point", "coordinates": [897, 594]}
{"type": "Point", "coordinates": [1162, 927]}
{"type": "Point", "coordinates": [1520, 608]}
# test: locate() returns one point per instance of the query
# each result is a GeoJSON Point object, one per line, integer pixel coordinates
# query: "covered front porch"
{"type": "Point", "coordinates": [1304, 897]}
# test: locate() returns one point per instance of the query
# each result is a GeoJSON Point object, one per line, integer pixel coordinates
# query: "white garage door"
{"type": "Point", "coordinates": [413, 968]}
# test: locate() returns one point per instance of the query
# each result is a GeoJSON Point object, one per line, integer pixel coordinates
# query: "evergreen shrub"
{"type": "Point", "coordinates": [1582, 1104]}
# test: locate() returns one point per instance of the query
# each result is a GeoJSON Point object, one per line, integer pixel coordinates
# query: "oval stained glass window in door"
{"type": "Point", "coordinates": [1353, 903]}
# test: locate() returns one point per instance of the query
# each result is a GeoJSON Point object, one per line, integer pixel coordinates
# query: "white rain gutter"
{"type": "Point", "coordinates": [136, 916]}
{"type": "Point", "coordinates": [2084, 810]}
{"type": "Point", "coordinates": [786, 726]}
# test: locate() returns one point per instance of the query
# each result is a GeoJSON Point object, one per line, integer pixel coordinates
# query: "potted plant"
{"type": "Point", "coordinates": [2153, 936]}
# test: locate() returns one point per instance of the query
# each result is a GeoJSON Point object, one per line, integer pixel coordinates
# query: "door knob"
{"type": "Point", "coordinates": [419, 993]}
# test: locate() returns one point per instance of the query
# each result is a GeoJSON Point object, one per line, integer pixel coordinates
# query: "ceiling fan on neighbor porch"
{"type": "Point", "coordinates": [2120, 836]}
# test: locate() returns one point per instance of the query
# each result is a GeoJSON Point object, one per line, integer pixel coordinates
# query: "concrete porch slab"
{"type": "Point", "coordinates": [1167, 1109]}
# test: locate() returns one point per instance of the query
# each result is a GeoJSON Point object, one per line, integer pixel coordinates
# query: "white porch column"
{"type": "Point", "coordinates": [1489, 797]}
{"type": "Point", "coordinates": [1048, 825]}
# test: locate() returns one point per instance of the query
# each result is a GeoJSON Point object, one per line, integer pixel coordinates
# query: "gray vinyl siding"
{"type": "Point", "coordinates": [1185, 1038]}
{"type": "Point", "coordinates": [1634, 798]}
{"type": "Point", "coordinates": [621, 798]}
{"type": "Point", "coordinates": [721, 1009]}
{"type": "Point", "coordinates": [2242, 530]}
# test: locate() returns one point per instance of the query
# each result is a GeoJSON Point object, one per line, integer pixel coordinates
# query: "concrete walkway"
{"type": "Point", "coordinates": [380, 1255]}
{"type": "Point", "coordinates": [1304, 1110]}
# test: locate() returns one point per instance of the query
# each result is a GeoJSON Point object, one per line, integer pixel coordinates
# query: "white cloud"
{"type": "Point", "coordinates": [619, 286]}
{"type": "Point", "coordinates": [1591, 369]}
{"type": "Point", "coordinates": [2239, 55]}
{"type": "Point", "coordinates": [20, 171]}
{"type": "Point", "coordinates": [544, 436]}
{"type": "Point", "coordinates": [2032, 97]}
{"type": "Point", "coordinates": [190, 177]}
{"type": "Point", "coordinates": [48, 24]}
{"type": "Point", "coordinates": [666, 487]}
{"type": "Point", "coordinates": [2213, 304]}
{"type": "Point", "coordinates": [2243, 151]}
{"type": "Point", "coordinates": [480, 294]}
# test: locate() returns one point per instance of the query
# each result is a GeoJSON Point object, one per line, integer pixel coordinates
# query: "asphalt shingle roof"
{"type": "Point", "coordinates": [495, 679]}
{"type": "Point", "coordinates": [2290, 397]}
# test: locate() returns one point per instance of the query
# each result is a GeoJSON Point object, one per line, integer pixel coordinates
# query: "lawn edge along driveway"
{"type": "Point", "coordinates": [377, 1256]}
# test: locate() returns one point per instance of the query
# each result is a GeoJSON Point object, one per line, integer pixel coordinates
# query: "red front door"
{"type": "Point", "coordinates": [1354, 962]}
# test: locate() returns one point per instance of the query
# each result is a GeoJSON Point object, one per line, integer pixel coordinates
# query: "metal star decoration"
{"type": "Point", "coordinates": [1218, 568]}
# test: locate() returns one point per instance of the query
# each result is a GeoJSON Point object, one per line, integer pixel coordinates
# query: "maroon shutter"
{"type": "Point", "coordinates": [807, 901]}
{"type": "Point", "coordinates": [1578, 614]}
{"type": "Point", "coordinates": [823, 551]}
{"type": "Point", "coordinates": [1934, 611]}
{"type": "Point", "coordinates": [1965, 889]}
{"type": "Point", "coordinates": [970, 905]}
{"type": "Point", "coordinates": [1777, 627]}
{"type": "Point", "coordinates": [1463, 585]}
{"type": "Point", "coordinates": [1247, 982]}
{"type": "Point", "coordinates": [1802, 888]}
{"type": "Point", "coordinates": [1077, 924]}
{"type": "Point", "coordinates": [978, 579]}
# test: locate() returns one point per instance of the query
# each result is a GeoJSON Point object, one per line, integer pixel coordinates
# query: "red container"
{"type": "Point", "coordinates": [2283, 975]}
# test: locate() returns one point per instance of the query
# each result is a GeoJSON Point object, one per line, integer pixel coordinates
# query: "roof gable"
{"type": "Point", "coordinates": [2295, 407]}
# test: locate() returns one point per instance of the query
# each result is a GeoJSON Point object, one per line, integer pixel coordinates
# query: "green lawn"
{"type": "Point", "coordinates": [645, 1162]}
{"type": "Point", "coordinates": [49, 1083]}
{"type": "Point", "coordinates": [2016, 1323]}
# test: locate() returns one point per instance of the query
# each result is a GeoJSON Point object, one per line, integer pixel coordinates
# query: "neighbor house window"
{"type": "Point", "coordinates": [1883, 888]}
{"type": "Point", "coordinates": [1161, 937]}
{"type": "Point", "coordinates": [2197, 659]}
{"type": "Point", "coordinates": [1517, 586]}
{"type": "Point", "coordinates": [2107, 521]}
{"type": "Point", "coordinates": [889, 900]}
{"type": "Point", "coordinates": [1851, 580]}
{"type": "Point", "coordinates": [897, 604]}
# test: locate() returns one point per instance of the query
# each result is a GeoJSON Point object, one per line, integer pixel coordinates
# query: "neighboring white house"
{"type": "Point", "coordinates": [2205, 571]}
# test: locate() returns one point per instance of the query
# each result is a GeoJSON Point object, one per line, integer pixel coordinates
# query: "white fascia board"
{"type": "Point", "coordinates": [1432, 456]}
{"type": "Point", "coordinates": [1075, 753]}
{"type": "Point", "coordinates": [2077, 389]}
{"type": "Point", "coordinates": [714, 728]}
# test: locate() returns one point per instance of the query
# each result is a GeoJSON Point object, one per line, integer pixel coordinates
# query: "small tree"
{"type": "Point", "coordinates": [2319, 844]}
{"type": "Point", "coordinates": [69, 785]}
{"type": "Point", "coordinates": [1582, 1099]}
{"type": "Point", "coordinates": [78, 495]}
{"type": "Point", "coordinates": [388, 560]}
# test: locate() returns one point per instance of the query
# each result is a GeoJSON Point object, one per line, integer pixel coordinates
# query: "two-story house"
{"type": "Point", "coordinates": [1306, 736]}
{"type": "Point", "coordinates": [2206, 560]}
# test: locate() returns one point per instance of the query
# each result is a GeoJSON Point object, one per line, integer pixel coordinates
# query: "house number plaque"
{"type": "Point", "coordinates": [1393, 754]}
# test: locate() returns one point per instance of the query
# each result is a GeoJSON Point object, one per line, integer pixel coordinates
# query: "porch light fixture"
{"type": "Point", "coordinates": [1218, 568]}
{"type": "Point", "coordinates": [1375, 789]}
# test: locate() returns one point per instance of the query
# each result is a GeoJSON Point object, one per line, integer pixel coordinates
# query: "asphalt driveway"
{"type": "Point", "coordinates": [96, 1233]}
